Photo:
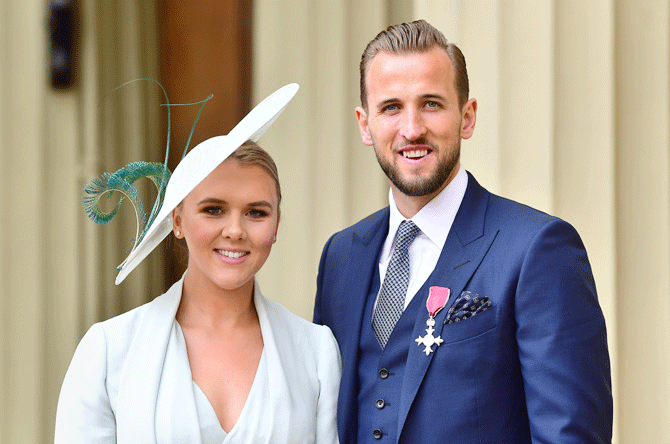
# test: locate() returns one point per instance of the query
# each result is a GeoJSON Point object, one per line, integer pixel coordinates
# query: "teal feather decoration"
{"type": "Point", "coordinates": [123, 180]}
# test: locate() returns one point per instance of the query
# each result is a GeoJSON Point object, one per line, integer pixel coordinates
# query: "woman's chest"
{"type": "Point", "coordinates": [224, 368]}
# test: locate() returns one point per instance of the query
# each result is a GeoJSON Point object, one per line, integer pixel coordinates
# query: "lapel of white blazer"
{"type": "Point", "coordinates": [463, 251]}
{"type": "Point", "coordinates": [277, 413]}
{"type": "Point", "coordinates": [142, 372]}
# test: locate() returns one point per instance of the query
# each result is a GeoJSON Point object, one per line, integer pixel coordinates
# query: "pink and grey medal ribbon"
{"type": "Point", "coordinates": [437, 299]}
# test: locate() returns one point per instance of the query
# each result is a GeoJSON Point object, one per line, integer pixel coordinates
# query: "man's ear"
{"type": "Point", "coordinates": [468, 118]}
{"type": "Point", "coordinates": [362, 118]}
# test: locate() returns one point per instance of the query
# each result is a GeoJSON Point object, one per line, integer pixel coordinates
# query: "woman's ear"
{"type": "Point", "coordinates": [277, 226]}
{"type": "Point", "coordinates": [176, 223]}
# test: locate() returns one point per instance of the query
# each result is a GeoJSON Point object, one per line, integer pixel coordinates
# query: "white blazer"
{"type": "Point", "coordinates": [125, 384]}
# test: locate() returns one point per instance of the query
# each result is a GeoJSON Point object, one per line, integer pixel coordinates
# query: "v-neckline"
{"type": "Point", "coordinates": [209, 406]}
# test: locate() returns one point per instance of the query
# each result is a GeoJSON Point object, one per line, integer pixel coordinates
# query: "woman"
{"type": "Point", "coordinates": [211, 360]}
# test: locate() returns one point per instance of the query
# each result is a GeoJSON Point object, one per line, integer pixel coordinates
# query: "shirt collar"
{"type": "Point", "coordinates": [436, 217]}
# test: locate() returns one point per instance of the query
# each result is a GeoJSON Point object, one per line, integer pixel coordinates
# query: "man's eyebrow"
{"type": "Point", "coordinates": [389, 101]}
{"type": "Point", "coordinates": [427, 96]}
{"type": "Point", "coordinates": [433, 96]}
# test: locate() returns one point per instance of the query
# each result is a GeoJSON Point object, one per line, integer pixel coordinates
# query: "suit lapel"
{"type": "Point", "coordinates": [463, 251]}
{"type": "Point", "coordinates": [366, 244]}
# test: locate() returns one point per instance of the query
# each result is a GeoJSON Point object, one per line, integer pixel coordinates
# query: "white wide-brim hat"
{"type": "Point", "coordinates": [199, 163]}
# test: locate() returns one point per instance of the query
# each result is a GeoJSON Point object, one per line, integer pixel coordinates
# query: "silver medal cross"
{"type": "Point", "coordinates": [429, 339]}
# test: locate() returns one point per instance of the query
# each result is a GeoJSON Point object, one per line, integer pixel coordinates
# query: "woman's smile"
{"type": "Point", "coordinates": [232, 254]}
{"type": "Point", "coordinates": [229, 222]}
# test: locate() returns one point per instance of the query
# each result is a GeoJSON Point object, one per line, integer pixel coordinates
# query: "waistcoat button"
{"type": "Point", "coordinates": [377, 434]}
{"type": "Point", "coordinates": [383, 373]}
{"type": "Point", "coordinates": [380, 404]}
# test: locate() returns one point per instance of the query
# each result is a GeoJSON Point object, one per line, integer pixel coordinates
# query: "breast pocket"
{"type": "Point", "coordinates": [471, 327]}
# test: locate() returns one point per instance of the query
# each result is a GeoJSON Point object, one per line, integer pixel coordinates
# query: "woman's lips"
{"type": "Point", "coordinates": [233, 255]}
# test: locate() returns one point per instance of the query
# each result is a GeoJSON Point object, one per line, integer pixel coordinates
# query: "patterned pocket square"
{"type": "Point", "coordinates": [466, 306]}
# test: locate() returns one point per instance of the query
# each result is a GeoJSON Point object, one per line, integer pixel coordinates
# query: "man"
{"type": "Point", "coordinates": [518, 353]}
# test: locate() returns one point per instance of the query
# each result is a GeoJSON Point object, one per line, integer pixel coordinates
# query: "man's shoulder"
{"type": "Point", "coordinates": [517, 211]}
{"type": "Point", "coordinates": [515, 222]}
{"type": "Point", "coordinates": [363, 232]}
{"type": "Point", "coordinates": [503, 209]}
{"type": "Point", "coordinates": [365, 227]}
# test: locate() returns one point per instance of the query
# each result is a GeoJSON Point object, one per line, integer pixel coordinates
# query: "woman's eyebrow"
{"type": "Point", "coordinates": [212, 200]}
{"type": "Point", "coordinates": [261, 203]}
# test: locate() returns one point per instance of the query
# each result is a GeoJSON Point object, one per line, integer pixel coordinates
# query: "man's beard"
{"type": "Point", "coordinates": [429, 185]}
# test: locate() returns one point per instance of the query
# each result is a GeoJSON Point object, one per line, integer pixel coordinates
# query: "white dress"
{"type": "Point", "coordinates": [210, 427]}
{"type": "Point", "coordinates": [130, 381]}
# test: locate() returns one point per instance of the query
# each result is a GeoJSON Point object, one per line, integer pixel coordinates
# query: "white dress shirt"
{"type": "Point", "coordinates": [434, 220]}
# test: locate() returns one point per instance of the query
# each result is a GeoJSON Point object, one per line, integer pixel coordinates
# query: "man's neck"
{"type": "Point", "coordinates": [408, 206]}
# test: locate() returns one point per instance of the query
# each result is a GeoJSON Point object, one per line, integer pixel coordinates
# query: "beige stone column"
{"type": "Point", "coordinates": [643, 219]}
{"type": "Point", "coordinates": [25, 212]}
{"type": "Point", "coordinates": [57, 268]}
{"type": "Point", "coordinates": [329, 178]}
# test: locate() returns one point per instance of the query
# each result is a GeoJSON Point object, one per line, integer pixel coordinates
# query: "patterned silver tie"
{"type": "Point", "coordinates": [394, 288]}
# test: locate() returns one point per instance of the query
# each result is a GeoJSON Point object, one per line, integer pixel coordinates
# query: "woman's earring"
{"type": "Point", "coordinates": [178, 233]}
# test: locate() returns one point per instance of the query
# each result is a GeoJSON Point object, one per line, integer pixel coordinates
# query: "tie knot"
{"type": "Point", "coordinates": [406, 233]}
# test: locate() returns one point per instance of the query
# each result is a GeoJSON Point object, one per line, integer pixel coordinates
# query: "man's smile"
{"type": "Point", "coordinates": [414, 154]}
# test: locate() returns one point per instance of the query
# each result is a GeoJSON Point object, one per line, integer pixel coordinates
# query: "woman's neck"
{"type": "Point", "coordinates": [206, 305]}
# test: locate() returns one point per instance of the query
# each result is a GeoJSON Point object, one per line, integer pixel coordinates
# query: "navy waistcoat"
{"type": "Point", "coordinates": [380, 372]}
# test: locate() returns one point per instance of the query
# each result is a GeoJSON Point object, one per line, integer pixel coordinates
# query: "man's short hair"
{"type": "Point", "coordinates": [415, 37]}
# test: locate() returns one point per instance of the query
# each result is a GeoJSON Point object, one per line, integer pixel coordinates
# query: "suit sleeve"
{"type": "Point", "coordinates": [562, 341]}
{"type": "Point", "coordinates": [330, 370]}
{"type": "Point", "coordinates": [84, 413]}
{"type": "Point", "coordinates": [318, 313]}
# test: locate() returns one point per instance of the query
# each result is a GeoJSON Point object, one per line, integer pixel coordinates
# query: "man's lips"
{"type": "Point", "coordinates": [414, 152]}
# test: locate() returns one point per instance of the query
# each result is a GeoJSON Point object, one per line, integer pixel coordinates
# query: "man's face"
{"type": "Point", "coordinates": [413, 120]}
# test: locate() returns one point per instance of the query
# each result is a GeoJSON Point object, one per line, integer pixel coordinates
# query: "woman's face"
{"type": "Point", "coordinates": [229, 222]}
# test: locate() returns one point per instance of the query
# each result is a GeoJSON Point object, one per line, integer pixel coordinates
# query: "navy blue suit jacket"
{"type": "Point", "coordinates": [532, 369]}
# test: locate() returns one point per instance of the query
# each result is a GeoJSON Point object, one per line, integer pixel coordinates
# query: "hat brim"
{"type": "Point", "coordinates": [199, 163]}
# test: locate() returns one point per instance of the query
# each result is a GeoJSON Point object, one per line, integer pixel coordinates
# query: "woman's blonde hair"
{"type": "Point", "coordinates": [252, 154]}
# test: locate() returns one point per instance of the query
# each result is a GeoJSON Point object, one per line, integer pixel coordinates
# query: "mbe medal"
{"type": "Point", "coordinates": [437, 299]}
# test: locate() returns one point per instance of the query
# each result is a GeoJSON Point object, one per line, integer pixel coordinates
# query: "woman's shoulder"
{"type": "Point", "coordinates": [278, 313]}
{"type": "Point", "coordinates": [130, 319]}
{"type": "Point", "coordinates": [119, 330]}
{"type": "Point", "coordinates": [299, 337]}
